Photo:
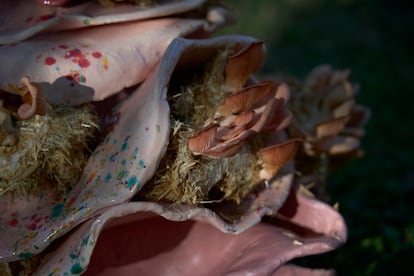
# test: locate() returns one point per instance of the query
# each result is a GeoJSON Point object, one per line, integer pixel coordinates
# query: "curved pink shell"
{"type": "Point", "coordinates": [149, 238]}
{"type": "Point", "coordinates": [21, 19]}
{"type": "Point", "coordinates": [92, 64]}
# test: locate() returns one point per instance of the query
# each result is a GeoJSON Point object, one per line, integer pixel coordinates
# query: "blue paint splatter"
{"type": "Point", "coordinates": [76, 269]}
{"type": "Point", "coordinates": [108, 177]}
{"type": "Point", "coordinates": [56, 210]}
{"type": "Point", "coordinates": [124, 146]}
{"type": "Point", "coordinates": [132, 182]}
{"type": "Point", "coordinates": [122, 174]}
{"type": "Point", "coordinates": [25, 255]}
{"type": "Point", "coordinates": [112, 158]}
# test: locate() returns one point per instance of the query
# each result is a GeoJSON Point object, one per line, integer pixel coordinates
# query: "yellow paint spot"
{"type": "Point", "coordinates": [105, 63]}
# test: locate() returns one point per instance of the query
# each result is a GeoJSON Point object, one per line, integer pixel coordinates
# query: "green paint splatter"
{"type": "Point", "coordinates": [122, 174]}
{"type": "Point", "coordinates": [132, 182]}
{"type": "Point", "coordinates": [76, 269]}
{"type": "Point", "coordinates": [56, 210]}
{"type": "Point", "coordinates": [124, 146]}
{"type": "Point", "coordinates": [86, 21]}
{"type": "Point", "coordinates": [108, 178]}
{"type": "Point", "coordinates": [25, 255]}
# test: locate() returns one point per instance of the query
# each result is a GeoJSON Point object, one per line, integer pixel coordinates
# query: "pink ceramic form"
{"type": "Point", "coordinates": [143, 238]}
{"type": "Point", "coordinates": [127, 157]}
{"type": "Point", "coordinates": [22, 19]}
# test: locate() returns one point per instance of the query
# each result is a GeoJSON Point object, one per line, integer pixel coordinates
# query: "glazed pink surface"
{"type": "Point", "coordinates": [34, 18]}
{"type": "Point", "coordinates": [146, 239]}
{"type": "Point", "coordinates": [75, 67]}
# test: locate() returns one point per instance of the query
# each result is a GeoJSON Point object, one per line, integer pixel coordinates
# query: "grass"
{"type": "Point", "coordinates": [374, 39]}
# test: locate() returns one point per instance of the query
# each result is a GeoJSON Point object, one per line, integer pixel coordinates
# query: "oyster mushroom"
{"type": "Point", "coordinates": [220, 126]}
{"type": "Point", "coordinates": [326, 113]}
{"type": "Point", "coordinates": [34, 101]}
{"type": "Point", "coordinates": [329, 121]}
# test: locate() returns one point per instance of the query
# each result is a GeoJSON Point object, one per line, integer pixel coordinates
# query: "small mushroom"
{"type": "Point", "coordinates": [276, 156]}
{"type": "Point", "coordinates": [34, 101]}
{"type": "Point", "coordinates": [241, 65]}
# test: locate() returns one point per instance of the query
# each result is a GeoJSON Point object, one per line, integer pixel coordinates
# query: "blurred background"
{"type": "Point", "coordinates": [375, 39]}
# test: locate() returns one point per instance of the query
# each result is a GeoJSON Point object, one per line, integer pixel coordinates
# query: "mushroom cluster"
{"type": "Point", "coordinates": [226, 131]}
{"type": "Point", "coordinates": [328, 119]}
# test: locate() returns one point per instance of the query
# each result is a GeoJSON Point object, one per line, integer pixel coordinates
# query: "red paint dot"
{"type": "Point", "coordinates": [73, 53]}
{"type": "Point", "coordinates": [63, 46]}
{"type": "Point", "coordinates": [45, 17]}
{"type": "Point", "coordinates": [83, 62]}
{"type": "Point", "coordinates": [13, 222]}
{"type": "Point", "coordinates": [31, 226]}
{"type": "Point", "coordinates": [50, 61]}
{"type": "Point", "coordinates": [96, 54]}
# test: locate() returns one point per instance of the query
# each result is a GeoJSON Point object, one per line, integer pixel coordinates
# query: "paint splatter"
{"type": "Point", "coordinates": [96, 54]}
{"type": "Point", "coordinates": [76, 269]}
{"type": "Point", "coordinates": [77, 57]}
{"type": "Point", "coordinates": [105, 63]}
{"type": "Point", "coordinates": [50, 61]}
{"type": "Point", "coordinates": [56, 210]}
{"type": "Point", "coordinates": [45, 17]}
{"type": "Point", "coordinates": [13, 222]}
{"type": "Point", "coordinates": [25, 255]}
{"type": "Point", "coordinates": [132, 182]}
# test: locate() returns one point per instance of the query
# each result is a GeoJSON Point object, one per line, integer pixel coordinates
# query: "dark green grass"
{"type": "Point", "coordinates": [376, 40]}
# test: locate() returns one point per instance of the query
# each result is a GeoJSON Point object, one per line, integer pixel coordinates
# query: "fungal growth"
{"type": "Point", "coordinates": [41, 146]}
{"type": "Point", "coordinates": [329, 120]}
{"type": "Point", "coordinates": [225, 131]}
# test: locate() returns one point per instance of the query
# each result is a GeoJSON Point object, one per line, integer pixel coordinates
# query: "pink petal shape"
{"type": "Point", "coordinates": [33, 18]}
{"type": "Point", "coordinates": [91, 64]}
{"type": "Point", "coordinates": [122, 241]}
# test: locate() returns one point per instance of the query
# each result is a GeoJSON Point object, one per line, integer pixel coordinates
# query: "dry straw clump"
{"type": "Point", "coordinates": [47, 149]}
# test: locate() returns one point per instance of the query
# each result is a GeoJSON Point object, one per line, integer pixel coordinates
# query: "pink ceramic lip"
{"type": "Point", "coordinates": [52, 2]}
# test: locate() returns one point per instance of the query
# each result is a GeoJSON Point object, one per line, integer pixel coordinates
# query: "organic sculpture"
{"type": "Point", "coordinates": [187, 133]}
